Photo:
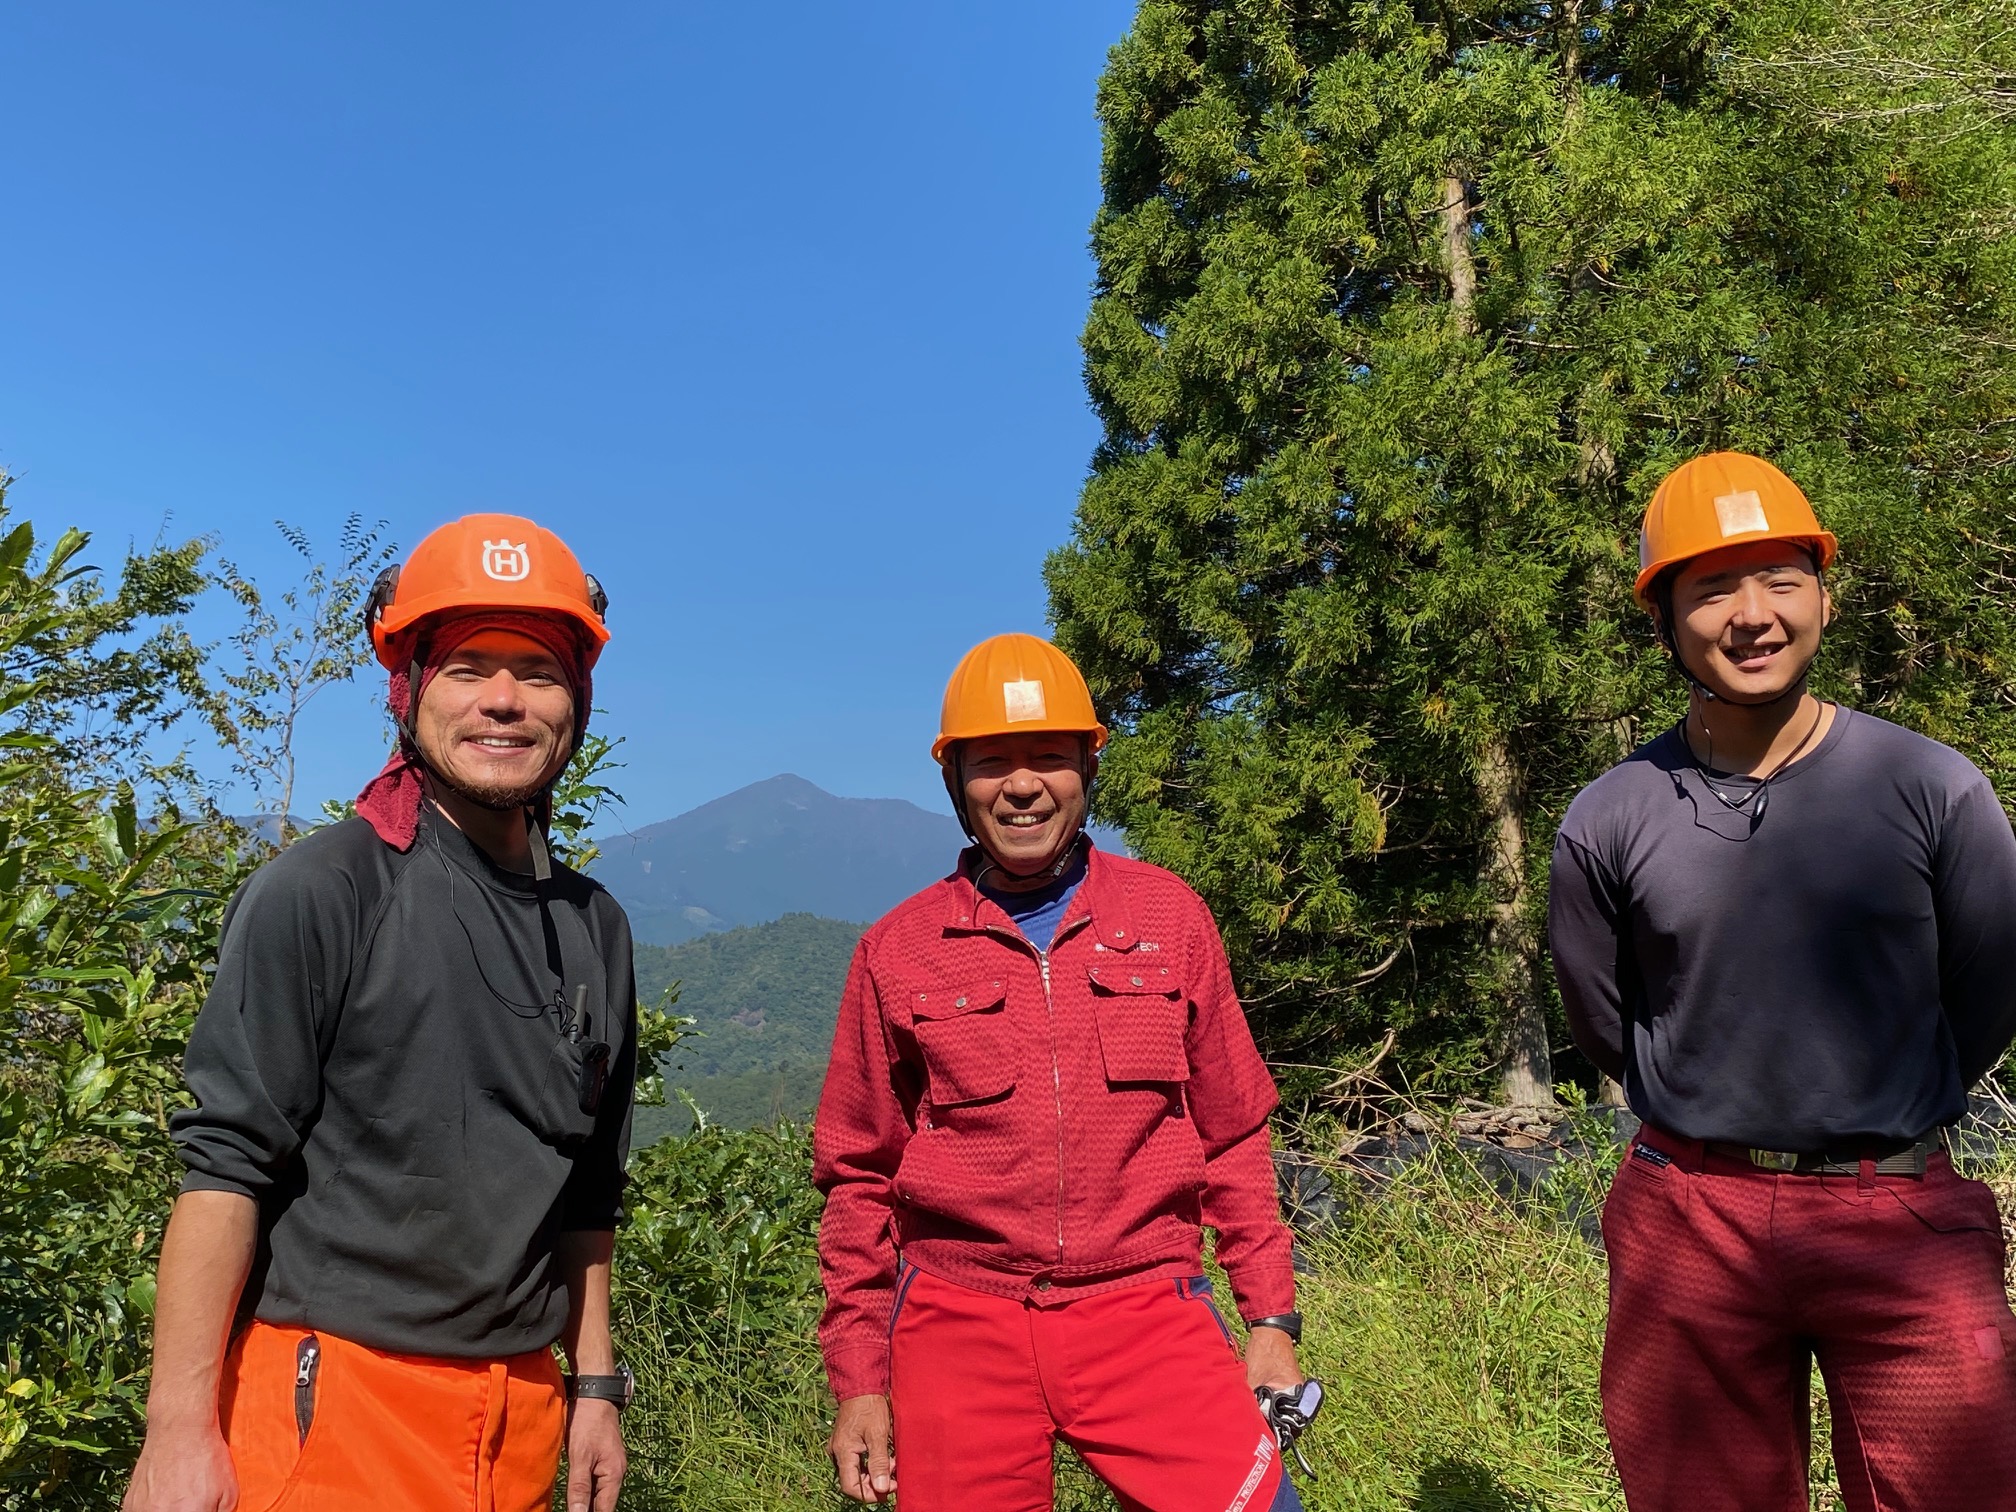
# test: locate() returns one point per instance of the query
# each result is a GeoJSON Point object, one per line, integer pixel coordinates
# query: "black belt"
{"type": "Point", "coordinates": [1893, 1157]}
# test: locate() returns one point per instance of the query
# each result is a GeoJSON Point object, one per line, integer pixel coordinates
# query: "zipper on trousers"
{"type": "Point", "coordinates": [307, 1357]}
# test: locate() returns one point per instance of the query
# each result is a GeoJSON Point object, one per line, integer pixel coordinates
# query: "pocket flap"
{"type": "Point", "coordinates": [950, 1002]}
{"type": "Point", "coordinates": [1142, 1017]}
{"type": "Point", "coordinates": [1133, 979]}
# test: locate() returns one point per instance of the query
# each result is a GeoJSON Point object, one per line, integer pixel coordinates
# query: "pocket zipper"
{"type": "Point", "coordinates": [307, 1356]}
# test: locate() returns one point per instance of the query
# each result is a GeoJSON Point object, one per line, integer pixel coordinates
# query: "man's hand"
{"type": "Point", "coordinates": [860, 1449]}
{"type": "Point", "coordinates": [596, 1458]}
{"type": "Point", "coordinates": [1270, 1359]}
{"type": "Point", "coordinates": [183, 1470]}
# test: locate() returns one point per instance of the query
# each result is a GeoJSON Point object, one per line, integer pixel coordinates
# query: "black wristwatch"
{"type": "Point", "coordinates": [1289, 1323]}
{"type": "Point", "coordinates": [617, 1388]}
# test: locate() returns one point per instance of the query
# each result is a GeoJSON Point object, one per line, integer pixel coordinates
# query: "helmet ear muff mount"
{"type": "Point", "coordinates": [379, 599]}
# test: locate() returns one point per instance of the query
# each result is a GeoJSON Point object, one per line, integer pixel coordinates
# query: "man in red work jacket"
{"type": "Point", "coordinates": [1042, 1087]}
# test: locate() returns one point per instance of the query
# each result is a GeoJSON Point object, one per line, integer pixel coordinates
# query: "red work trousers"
{"type": "Point", "coordinates": [318, 1424]}
{"type": "Point", "coordinates": [1727, 1281]}
{"type": "Point", "coordinates": [1142, 1381]}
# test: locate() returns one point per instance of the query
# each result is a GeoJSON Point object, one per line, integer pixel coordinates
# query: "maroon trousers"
{"type": "Point", "coordinates": [1726, 1281]}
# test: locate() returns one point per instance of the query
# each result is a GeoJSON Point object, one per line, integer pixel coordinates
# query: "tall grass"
{"type": "Point", "coordinates": [1459, 1334]}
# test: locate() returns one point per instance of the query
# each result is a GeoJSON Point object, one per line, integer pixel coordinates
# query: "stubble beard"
{"type": "Point", "coordinates": [499, 797]}
{"type": "Point", "coordinates": [502, 799]}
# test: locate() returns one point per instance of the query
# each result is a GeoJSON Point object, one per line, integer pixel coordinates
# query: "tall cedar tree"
{"type": "Point", "coordinates": [1402, 312]}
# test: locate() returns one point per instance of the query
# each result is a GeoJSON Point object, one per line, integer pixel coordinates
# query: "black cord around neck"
{"type": "Point", "coordinates": [1759, 795]}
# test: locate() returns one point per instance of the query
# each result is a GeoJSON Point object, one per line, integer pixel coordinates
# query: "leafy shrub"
{"type": "Point", "coordinates": [107, 919]}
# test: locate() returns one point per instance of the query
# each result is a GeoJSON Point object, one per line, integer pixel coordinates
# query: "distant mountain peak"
{"type": "Point", "coordinates": [781, 845]}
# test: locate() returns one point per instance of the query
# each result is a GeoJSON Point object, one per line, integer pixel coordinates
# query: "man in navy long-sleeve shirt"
{"type": "Point", "coordinates": [1787, 928]}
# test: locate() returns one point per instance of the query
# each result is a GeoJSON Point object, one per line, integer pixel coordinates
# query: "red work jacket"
{"type": "Point", "coordinates": [1040, 1125]}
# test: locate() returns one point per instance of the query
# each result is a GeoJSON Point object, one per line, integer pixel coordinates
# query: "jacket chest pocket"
{"type": "Point", "coordinates": [1142, 1016]}
{"type": "Point", "coordinates": [962, 1033]}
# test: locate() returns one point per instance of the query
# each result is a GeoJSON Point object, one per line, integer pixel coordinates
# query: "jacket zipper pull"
{"type": "Point", "coordinates": [307, 1355]}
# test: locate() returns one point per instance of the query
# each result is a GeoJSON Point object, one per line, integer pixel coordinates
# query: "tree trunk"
{"type": "Point", "coordinates": [1456, 211]}
{"type": "Point", "coordinates": [1525, 1066]}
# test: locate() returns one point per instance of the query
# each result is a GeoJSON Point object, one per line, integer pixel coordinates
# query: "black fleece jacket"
{"type": "Point", "coordinates": [381, 1065]}
{"type": "Point", "coordinates": [1840, 970]}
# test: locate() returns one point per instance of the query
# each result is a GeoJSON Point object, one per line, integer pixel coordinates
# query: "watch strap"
{"type": "Point", "coordinates": [1289, 1323]}
{"type": "Point", "coordinates": [617, 1388]}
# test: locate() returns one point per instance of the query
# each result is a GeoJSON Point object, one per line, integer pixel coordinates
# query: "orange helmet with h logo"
{"type": "Point", "coordinates": [486, 561]}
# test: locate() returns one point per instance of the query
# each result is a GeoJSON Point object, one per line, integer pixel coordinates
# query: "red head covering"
{"type": "Point", "coordinates": [391, 800]}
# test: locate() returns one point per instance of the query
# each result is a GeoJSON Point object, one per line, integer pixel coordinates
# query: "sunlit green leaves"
{"type": "Point", "coordinates": [1334, 550]}
{"type": "Point", "coordinates": [108, 914]}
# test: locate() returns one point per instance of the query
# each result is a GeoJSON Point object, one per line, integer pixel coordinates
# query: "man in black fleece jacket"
{"type": "Point", "coordinates": [412, 1083]}
{"type": "Point", "coordinates": [1787, 927]}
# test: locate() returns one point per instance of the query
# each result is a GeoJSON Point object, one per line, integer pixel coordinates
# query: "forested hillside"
{"type": "Point", "coordinates": [763, 1001]}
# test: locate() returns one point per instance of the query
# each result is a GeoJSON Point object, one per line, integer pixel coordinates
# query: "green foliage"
{"type": "Point", "coordinates": [1401, 314]}
{"type": "Point", "coordinates": [99, 670]}
{"type": "Point", "coordinates": [717, 1299]}
{"type": "Point", "coordinates": [108, 916]}
{"type": "Point", "coordinates": [290, 646]}
{"type": "Point", "coordinates": [762, 1001]}
{"type": "Point", "coordinates": [579, 798]}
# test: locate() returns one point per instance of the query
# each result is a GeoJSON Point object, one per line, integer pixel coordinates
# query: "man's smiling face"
{"type": "Point", "coordinates": [1025, 796]}
{"type": "Point", "coordinates": [497, 721]}
{"type": "Point", "coordinates": [1747, 619]}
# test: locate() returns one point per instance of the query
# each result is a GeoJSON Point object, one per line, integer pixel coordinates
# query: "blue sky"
{"type": "Point", "coordinates": [772, 311]}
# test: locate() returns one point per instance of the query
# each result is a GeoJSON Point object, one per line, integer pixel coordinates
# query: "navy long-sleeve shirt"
{"type": "Point", "coordinates": [381, 1066]}
{"type": "Point", "coordinates": [1844, 967]}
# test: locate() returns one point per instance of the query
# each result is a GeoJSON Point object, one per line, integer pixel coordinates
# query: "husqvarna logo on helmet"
{"type": "Point", "coordinates": [506, 561]}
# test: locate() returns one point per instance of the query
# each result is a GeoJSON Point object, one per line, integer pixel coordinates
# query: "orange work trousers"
{"type": "Point", "coordinates": [319, 1424]}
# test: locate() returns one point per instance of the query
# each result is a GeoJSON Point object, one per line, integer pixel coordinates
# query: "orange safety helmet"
{"type": "Point", "coordinates": [1723, 499]}
{"type": "Point", "coordinates": [1010, 683]}
{"type": "Point", "coordinates": [485, 561]}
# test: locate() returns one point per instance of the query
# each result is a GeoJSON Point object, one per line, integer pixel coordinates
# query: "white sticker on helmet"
{"type": "Point", "coordinates": [1022, 701]}
{"type": "Point", "coordinates": [1740, 513]}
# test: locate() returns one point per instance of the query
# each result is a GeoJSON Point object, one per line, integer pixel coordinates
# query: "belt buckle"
{"type": "Point", "coordinates": [1775, 1160]}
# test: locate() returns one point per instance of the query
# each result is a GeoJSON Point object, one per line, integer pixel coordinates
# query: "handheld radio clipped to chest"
{"type": "Point", "coordinates": [574, 1027]}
